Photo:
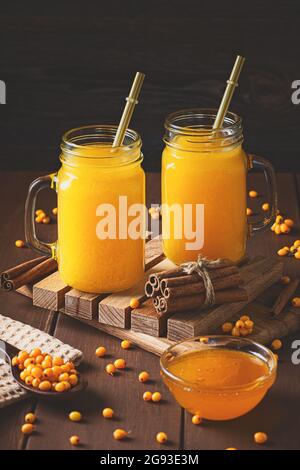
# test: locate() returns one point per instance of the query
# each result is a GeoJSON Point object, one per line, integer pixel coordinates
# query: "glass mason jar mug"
{"type": "Point", "coordinates": [95, 185]}
{"type": "Point", "coordinates": [204, 195]}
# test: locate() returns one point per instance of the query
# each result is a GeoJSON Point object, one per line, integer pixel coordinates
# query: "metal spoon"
{"type": "Point", "coordinates": [10, 351]}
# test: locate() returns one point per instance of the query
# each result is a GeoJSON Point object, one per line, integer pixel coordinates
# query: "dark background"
{"type": "Point", "coordinates": [67, 64]}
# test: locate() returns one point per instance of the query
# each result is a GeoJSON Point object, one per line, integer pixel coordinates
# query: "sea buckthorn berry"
{"type": "Point", "coordinates": [231, 448]}
{"type": "Point", "coordinates": [36, 382]}
{"type": "Point", "coordinates": [265, 207]}
{"type": "Point", "coordinates": [235, 331]}
{"type": "Point", "coordinates": [120, 364]}
{"type": "Point", "coordinates": [147, 396]}
{"type": "Point", "coordinates": [119, 434]}
{"type": "Point", "coordinates": [273, 227]}
{"type": "Point", "coordinates": [284, 228]}
{"type": "Point", "coordinates": [249, 324]}
{"type": "Point", "coordinates": [45, 385]}
{"type": "Point", "coordinates": [227, 327]}
{"type": "Point", "coordinates": [253, 193]}
{"type": "Point", "coordinates": [282, 252]}
{"type": "Point", "coordinates": [23, 375]}
{"type": "Point", "coordinates": [244, 318]}
{"type": "Point", "coordinates": [66, 384]}
{"type": "Point", "coordinates": [54, 211]}
{"type": "Point", "coordinates": [249, 211]}
{"type": "Point", "coordinates": [276, 344]}
{"type": "Point", "coordinates": [244, 331]}
{"type": "Point", "coordinates": [239, 324]}
{"type": "Point", "coordinates": [285, 280]}
{"type": "Point", "coordinates": [126, 344]}
{"type": "Point", "coordinates": [156, 397]}
{"type": "Point", "coordinates": [196, 419]}
{"type": "Point", "coordinates": [144, 376]}
{"type": "Point", "coordinates": [27, 428]}
{"type": "Point", "coordinates": [276, 357]}
{"type": "Point", "coordinates": [36, 372]}
{"type": "Point", "coordinates": [57, 370]}
{"type": "Point", "coordinates": [289, 222]}
{"type": "Point", "coordinates": [297, 255]}
{"type": "Point", "coordinates": [39, 359]}
{"type": "Point", "coordinates": [22, 356]}
{"type": "Point", "coordinates": [108, 413]}
{"type": "Point", "coordinates": [277, 229]}
{"type": "Point", "coordinates": [60, 387]}
{"type": "Point", "coordinates": [39, 218]}
{"type": "Point", "coordinates": [100, 351]}
{"type": "Point", "coordinates": [57, 361]}
{"type": "Point", "coordinates": [63, 377]}
{"type": "Point", "coordinates": [28, 361]}
{"type": "Point", "coordinates": [39, 212]}
{"type": "Point", "coordinates": [15, 361]}
{"type": "Point", "coordinates": [297, 243]}
{"type": "Point", "coordinates": [19, 243]}
{"type": "Point", "coordinates": [296, 302]}
{"type": "Point", "coordinates": [46, 220]}
{"type": "Point", "coordinates": [75, 416]}
{"type": "Point", "coordinates": [203, 339]}
{"type": "Point", "coordinates": [30, 418]}
{"type": "Point", "coordinates": [46, 364]}
{"type": "Point", "coordinates": [110, 369]}
{"type": "Point", "coordinates": [21, 367]}
{"type": "Point", "coordinates": [48, 373]}
{"type": "Point", "coordinates": [260, 437]}
{"type": "Point", "coordinates": [279, 219]}
{"type": "Point", "coordinates": [67, 367]}
{"type": "Point", "coordinates": [73, 380]}
{"type": "Point", "coordinates": [28, 379]}
{"type": "Point", "coordinates": [161, 437]}
{"type": "Point", "coordinates": [35, 352]}
{"type": "Point", "coordinates": [134, 303]}
{"type": "Point", "coordinates": [74, 440]}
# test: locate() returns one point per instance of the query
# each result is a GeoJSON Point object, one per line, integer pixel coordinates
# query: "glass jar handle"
{"type": "Point", "coordinates": [35, 187]}
{"type": "Point", "coordinates": [261, 163]}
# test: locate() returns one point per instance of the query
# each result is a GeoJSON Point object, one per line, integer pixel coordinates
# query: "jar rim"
{"type": "Point", "coordinates": [78, 138]}
{"type": "Point", "coordinates": [231, 120]}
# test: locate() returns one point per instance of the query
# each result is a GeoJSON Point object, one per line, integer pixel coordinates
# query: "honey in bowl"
{"type": "Point", "coordinates": [219, 379]}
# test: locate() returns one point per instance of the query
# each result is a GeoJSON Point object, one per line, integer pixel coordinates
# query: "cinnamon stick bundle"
{"type": "Point", "coordinates": [20, 269]}
{"type": "Point", "coordinates": [221, 283]}
{"type": "Point", "coordinates": [179, 304]}
{"type": "Point", "coordinates": [34, 273]}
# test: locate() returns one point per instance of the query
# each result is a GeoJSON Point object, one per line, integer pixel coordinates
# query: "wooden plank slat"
{"type": "Point", "coordinates": [146, 320]}
{"type": "Point", "coordinates": [50, 292]}
{"type": "Point", "coordinates": [153, 252]}
{"type": "Point", "coordinates": [257, 278]}
{"type": "Point", "coordinates": [82, 304]}
{"type": "Point", "coordinates": [115, 310]}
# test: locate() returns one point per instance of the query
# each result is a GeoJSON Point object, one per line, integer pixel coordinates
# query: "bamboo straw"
{"type": "Point", "coordinates": [232, 83]}
{"type": "Point", "coordinates": [132, 100]}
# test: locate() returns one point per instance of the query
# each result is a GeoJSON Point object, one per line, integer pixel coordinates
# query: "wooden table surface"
{"type": "Point", "coordinates": [278, 414]}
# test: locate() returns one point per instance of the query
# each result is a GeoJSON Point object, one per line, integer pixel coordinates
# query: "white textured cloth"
{"type": "Point", "coordinates": [26, 337]}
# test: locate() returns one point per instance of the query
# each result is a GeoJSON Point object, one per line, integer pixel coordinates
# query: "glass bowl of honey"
{"type": "Point", "coordinates": [218, 377]}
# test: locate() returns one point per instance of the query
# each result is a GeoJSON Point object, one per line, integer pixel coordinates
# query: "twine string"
{"type": "Point", "coordinates": [201, 267]}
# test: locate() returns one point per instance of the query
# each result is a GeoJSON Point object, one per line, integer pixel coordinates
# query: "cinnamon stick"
{"type": "Point", "coordinates": [284, 297]}
{"type": "Point", "coordinates": [42, 269]}
{"type": "Point", "coordinates": [185, 279]}
{"type": "Point", "coordinates": [21, 268]}
{"type": "Point", "coordinates": [221, 283]}
{"type": "Point", "coordinates": [192, 302]}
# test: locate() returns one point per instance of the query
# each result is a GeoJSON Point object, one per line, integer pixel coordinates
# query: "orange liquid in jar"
{"type": "Point", "coordinates": [218, 384]}
{"type": "Point", "coordinates": [197, 172]}
{"type": "Point", "coordinates": [87, 262]}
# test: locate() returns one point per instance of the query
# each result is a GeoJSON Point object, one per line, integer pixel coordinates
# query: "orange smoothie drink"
{"type": "Point", "coordinates": [209, 169]}
{"type": "Point", "coordinates": [97, 187]}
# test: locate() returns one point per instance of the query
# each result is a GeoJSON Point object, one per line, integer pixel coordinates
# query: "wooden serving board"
{"type": "Point", "coordinates": [112, 314]}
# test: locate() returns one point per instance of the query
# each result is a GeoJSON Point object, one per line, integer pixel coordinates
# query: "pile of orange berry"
{"type": "Point", "coordinates": [242, 327]}
{"type": "Point", "coordinates": [293, 250]}
{"type": "Point", "coordinates": [282, 225]}
{"type": "Point", "coordinates": [44, 372]}
{"type": "Point", "coordinates": [42, 218]}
